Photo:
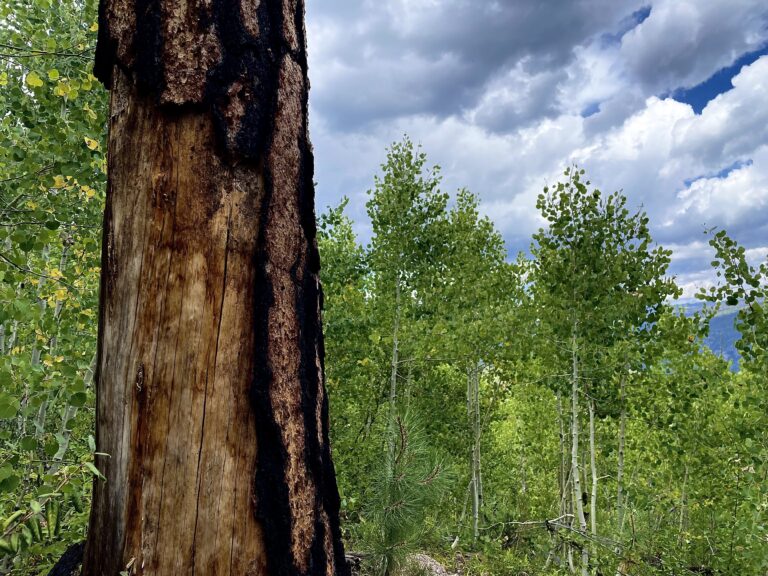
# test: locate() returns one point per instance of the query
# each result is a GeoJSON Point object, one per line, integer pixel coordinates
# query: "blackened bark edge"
{"type": "Point", "coordinates": [210, 242]}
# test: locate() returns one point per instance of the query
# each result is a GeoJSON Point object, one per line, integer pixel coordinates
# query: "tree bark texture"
{"type": "Point", "coordinates": [593, 468]}
{"type": "Point", "coordinates": [211, 403]}
{"type": "Point", "coordinates": [620, 464]}
{"type": "Point", "coordinates": [575, 470]}
{"type": "Point", "coordinates": [473, 413]}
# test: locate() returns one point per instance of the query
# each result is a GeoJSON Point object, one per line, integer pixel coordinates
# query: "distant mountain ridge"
{"type": "Point", "coordinates": [723, 334]}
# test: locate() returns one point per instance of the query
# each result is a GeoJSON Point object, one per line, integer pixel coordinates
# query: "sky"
{"type": "Point", "coordinates": [666, 100]}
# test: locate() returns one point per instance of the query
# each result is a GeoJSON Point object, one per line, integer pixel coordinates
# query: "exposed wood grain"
{"type": "Point", "coordinates": [210, 394]}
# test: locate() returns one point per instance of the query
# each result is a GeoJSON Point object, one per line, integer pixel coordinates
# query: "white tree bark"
{"type": "Point", "coordinates": [593, 467]}
{"type": "Point", "coordinates": [575, 471]}
{"type": "Point", "coordinates": [393, 385]}
{"type": "Point", "coordinates": [620, 465]}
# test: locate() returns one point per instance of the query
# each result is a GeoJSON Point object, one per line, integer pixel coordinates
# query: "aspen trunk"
{"type": "Point", "coordinates": [683, 507]}
{"type": "Point", "coordinates": [473, 412]}
{"type": "Point", "coordinates": [620, 498]}
{"type": "Point", "coordinates": [620, 465]}
{"type": "Point", "coordinates": [563, 472]}
{"type": "Point", "coordinates": [391, 428]}
{"type": "Point", "coordinates": [68, 415]}
{"type": "Point", "coordinates": [563, 475]}
{"type": "Point", "coordinates": [210, 395]}
{"type": "Point", "coordinates": [593, 468]}
{"type": "Point", "coordinates": [575, 472]}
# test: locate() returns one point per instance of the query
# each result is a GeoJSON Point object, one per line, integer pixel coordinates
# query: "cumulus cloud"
{"type": "Point", "coordinates": [683, 42]}
{"type": "Point", "coordinates": [733, 124]}
{"type": "Point", "coordinates": [503, 95]}
{"type": "Point", "coordinates": [378, 61]}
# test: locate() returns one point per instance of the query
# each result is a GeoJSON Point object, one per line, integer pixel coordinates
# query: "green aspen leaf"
{"type": "Point", "coordinates": [6, 379]}
{"type": "Point", "coordinates": [78, 399]}
{"type": "Point", "coordinates": [9, 484]}
{"type": "Point", "coordinates": [51, 447]}
{"type": "Point", "coordinates": [8, 408]}
{"type": "Point", "coordinates": [28, 443]}
{"type": "Point", "coordinates": [6, 472]}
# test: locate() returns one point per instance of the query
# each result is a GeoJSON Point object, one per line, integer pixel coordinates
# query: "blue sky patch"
{"type": "Point", "coordinates": [591, 110]}
{"type": "Point", "coordinates": [629, 23]}
{"type": "Point", "coordinates": [700, 95]}
{"type": "Point", "coordinates": [724, 173]}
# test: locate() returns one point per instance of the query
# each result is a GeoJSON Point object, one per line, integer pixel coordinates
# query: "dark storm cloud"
{"type": "Point", "coordinates": [683, 42]}
{"type": "Point", "coordinates": [378, 61]}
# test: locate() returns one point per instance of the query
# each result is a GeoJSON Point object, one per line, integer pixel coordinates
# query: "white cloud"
{"type": "Point", "coordinates": [729, 201]}
{"type": "Point", "coordinates": [506, 124]}
{"type": "Point", "coordinates": [683, 42]}
{"type": "Point", "coordinates": [733, 124]}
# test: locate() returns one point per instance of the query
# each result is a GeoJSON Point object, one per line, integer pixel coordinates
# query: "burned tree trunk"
{"type": "Point", "coordinates": [210, 397]}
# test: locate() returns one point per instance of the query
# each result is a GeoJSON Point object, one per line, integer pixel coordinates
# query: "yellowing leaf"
{"type": "Point", "coordinates": [3, 78]}
{"type": "Point", "coordinates": [91, 143]}
{"type": "Point", "coordinates": [94, 27]}
{"type": "Point", "coordinates": [59, 182]}
{"type": "Point", "coordinates": [53, 74]}
{"type": "Point", "coordinates": [55, 273]}
{"type": "Point", "coordinates": [62, 89]}
{"type": "Point", "coordinates": [34, 80]}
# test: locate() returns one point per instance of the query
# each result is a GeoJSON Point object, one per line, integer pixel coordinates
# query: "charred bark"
{"type": "Point", "coordinates": [210, 396]}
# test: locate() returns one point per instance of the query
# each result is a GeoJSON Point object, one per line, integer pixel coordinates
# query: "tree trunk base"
{"type": "Point", "coordinates": [71, 561]}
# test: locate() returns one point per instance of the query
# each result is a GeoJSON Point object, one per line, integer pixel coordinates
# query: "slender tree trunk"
{"type": "Point", "coordinates": [65, 433]}
{"type": "Point", "coordinates": [391, 428]}
{"type": "Point", "coordinates": [620, 466]}
{"type": "Point", "coordinates": [408, 387]}
{"type": "Point", "coordinates": [42, 412]}
{"type": "Point", "coordinates": [12, 337]}
{"type": "Point", "coordinates": [42, 305]}
{"type": "Point", "coordinates": [620, 498]}
{"type": "Point", "coordinates": [473, 409]}
{"type": "Point", "coordinates": [575, 471]}
{"type": "Point", "coordinates": [210, 393]}
{"type": "Point", "coordinates": [563, 476]}
{"type": "Point", "coordinates": [683, 507]}
{"type": "Point", "coordinates": [593, 468]}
